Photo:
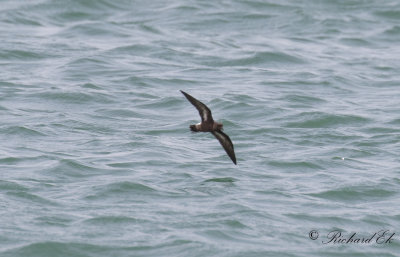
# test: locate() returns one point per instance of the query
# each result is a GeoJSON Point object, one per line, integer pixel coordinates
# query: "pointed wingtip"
{"type": "Point", "coordinates": [184, 93]}
{"type": "Point", "coordinates": [234, 160]}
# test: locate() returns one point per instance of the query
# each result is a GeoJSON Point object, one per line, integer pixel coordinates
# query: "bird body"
{"type": "Point", "coordinates": [206, 127]}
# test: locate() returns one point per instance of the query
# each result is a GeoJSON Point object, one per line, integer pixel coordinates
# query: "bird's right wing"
{"type": "Point", "coordinates": [204, 112]}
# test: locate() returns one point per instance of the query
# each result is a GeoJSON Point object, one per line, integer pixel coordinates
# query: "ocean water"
{"type": "Point", "coordinates": [96, 156]}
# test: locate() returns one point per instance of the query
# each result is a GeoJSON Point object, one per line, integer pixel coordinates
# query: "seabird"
{"type": "Point", "coordinates": [209, 125]}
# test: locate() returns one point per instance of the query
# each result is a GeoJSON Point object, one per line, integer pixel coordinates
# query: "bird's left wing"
{"type": "Point", "coordinates": [226, 143]}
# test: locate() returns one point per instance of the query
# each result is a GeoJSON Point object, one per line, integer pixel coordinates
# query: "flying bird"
{"type": "Point", "coordinates": [209, 125]}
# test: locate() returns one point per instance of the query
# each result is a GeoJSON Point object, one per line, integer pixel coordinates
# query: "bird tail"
{"type": "Point", "coordinates": [193, 128]}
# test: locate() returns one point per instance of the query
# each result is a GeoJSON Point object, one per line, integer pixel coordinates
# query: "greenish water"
{"type": "Point", "coordinates": [96, 156]}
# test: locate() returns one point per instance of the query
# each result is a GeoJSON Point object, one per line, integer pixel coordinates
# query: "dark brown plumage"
{"type": "Point", "coordinates": [209, 125]}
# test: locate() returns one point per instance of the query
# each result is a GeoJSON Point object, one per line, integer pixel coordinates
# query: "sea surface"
{"type": "Point", "coordinates": [96, 155]}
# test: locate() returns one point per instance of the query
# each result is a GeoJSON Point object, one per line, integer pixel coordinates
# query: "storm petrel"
{"type": "Point", "coordinates": [209, 125]}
